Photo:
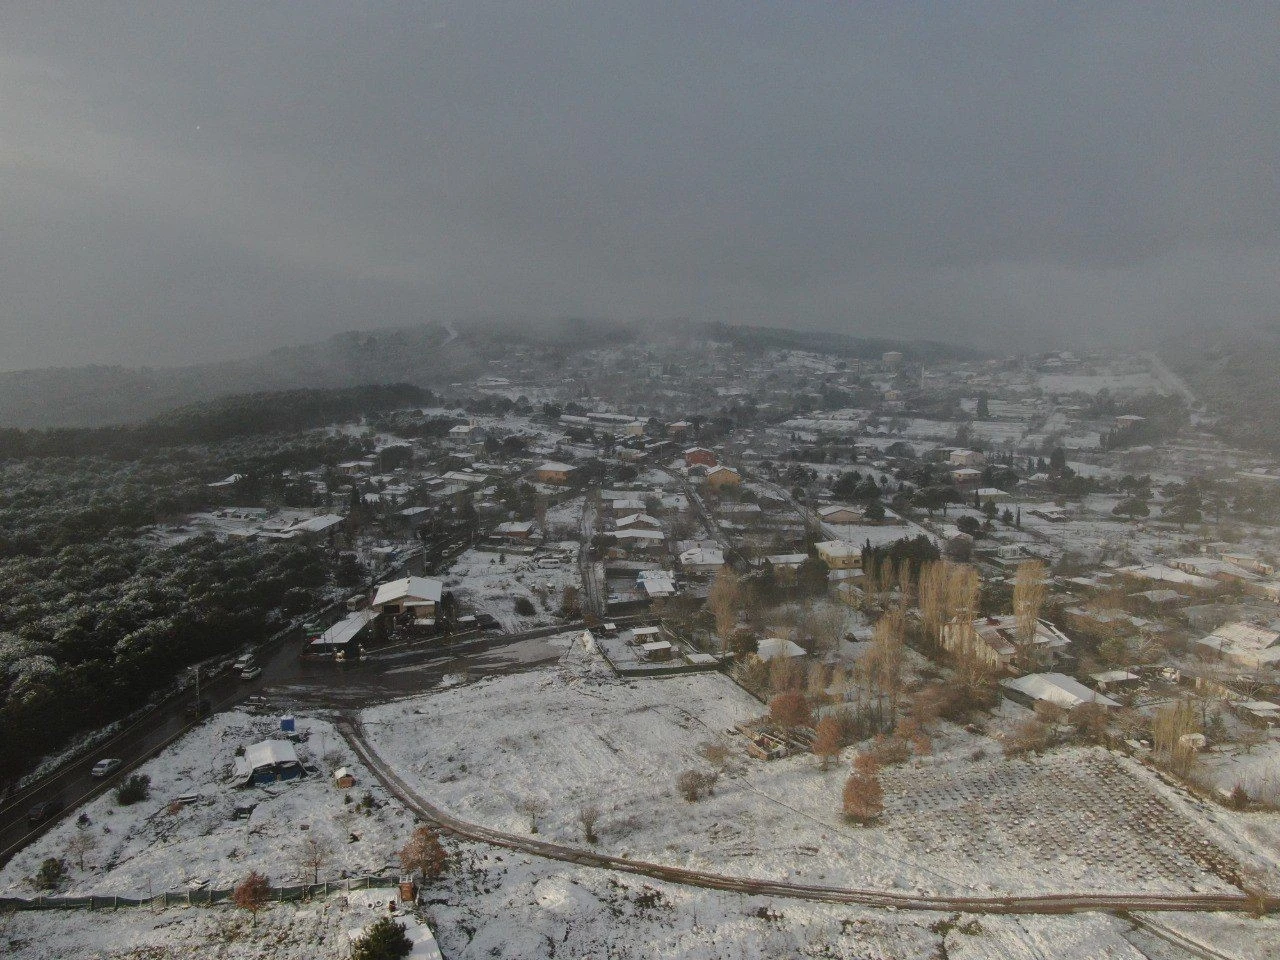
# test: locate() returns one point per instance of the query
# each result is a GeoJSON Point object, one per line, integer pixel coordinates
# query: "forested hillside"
{"type": "Point", "coordinates": [95, 616]}
{"type": "Point", "coordinates": [1238, 378]}
{"type": "Point", "coordinates": [239, 416]}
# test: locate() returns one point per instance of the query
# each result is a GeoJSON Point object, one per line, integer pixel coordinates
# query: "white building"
{"type": "Point", "coordinates": [1056, 688]}
{"type": "Point", "coordinates": [1244, 644]}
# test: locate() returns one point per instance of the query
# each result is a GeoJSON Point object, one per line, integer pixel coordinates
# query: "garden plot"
{"type": "Point", "coordinates": [491, 582]}
{"type": "Point", "coordinates": [1077, 815]}
{"type": "Point", "coordinates": [1074, 820]}
{"type": "Point", "coordinates": [158, 845]}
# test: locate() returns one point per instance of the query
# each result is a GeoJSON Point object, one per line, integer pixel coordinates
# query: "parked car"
{"type": "Point", "coordinates": [44, 811]}
{"type": "Point", "coordinates": [105, 767]}
{"type": "Point", "coordinates": [243, 663]}
{"type": "Point", "coordinates": [251, 672]}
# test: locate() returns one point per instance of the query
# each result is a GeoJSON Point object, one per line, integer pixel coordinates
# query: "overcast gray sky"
{"type": "Point", "coordinates": [201, 180]}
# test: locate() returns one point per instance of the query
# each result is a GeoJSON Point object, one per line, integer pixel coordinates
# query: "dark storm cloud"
{"type": "Point", "coordinates": [181, 184]}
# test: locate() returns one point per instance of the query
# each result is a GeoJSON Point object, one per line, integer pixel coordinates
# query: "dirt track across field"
{"type": "Point", "coordinates": [1056, 903]}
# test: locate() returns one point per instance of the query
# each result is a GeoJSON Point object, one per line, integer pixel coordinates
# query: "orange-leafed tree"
{"type": "Point", "coordinates": [863, 798]}
{"type": "Point", "coordinates": [826, 743]}
{"type": "Point", "coordinates": [789, 710]}
{"type": "Point", "coordinates": [252, 894]}
{"type": "Point", "coordinates": [424, 852]}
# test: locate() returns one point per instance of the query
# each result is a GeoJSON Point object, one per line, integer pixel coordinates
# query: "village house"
{"type": "Point", "coordinates": [1244, 644]}
{"type": "Point", "coordinates": [967, 458]}
{"type": "Point", "coordinates": [718, 478]}
{"type": "Point", "coordinates": [774, 648]}
{"type": "Point", "coordinates": [639, 539]}
{"type": "Point", "coordinates": [270, 761]}
{"type": "Point", "coordinates": [995, 640]}
{"type": "Point", "coordinates": [840, 554]}
{"type": "Point", "coordinates": [838, 515]}
{"type": "Point", "coordinates": [656, 584]}
{"type": "Point", "coordinates": [320, 528]}
{"type": "Point", "coordinates": [700, 456]}
{"type": "Point", "coordinates": [966, 478]}
{"type": "Point", "coordinates": [702, 560]}
{"type": "Point", "coordinates": [515, 529]}
{"type": "Point", "coordinates": [638, 521]}
{"type": "Point", "coordinates": [1055, 688]}
{"type": "Point", "coordinates": [340, 639]}
{"type": "Point", "coordinates": [417, 595]}
{"type": "Point", "coordinates": [554, 472]}
{"type": "Point", "coordinates": [992, 495]}
{"type": "Point", "coordinates": [785, 565]}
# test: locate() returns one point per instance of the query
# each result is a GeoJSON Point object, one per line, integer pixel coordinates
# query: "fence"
{"type": "Point", "coordinates": [192, 898]}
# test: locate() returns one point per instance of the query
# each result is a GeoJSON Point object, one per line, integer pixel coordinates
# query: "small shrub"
{"type": "Point", "coordinates": [134, 790]}
{"type": "Point", "coordinates": [51, 873]}
{"type": "Point", "coordinates": [524, 607]}
{"type": "Point", "coordinates": [863, 798]}
{"type": "Point", "coordinates": [384, 940]}
{"type": "Point", "coordinates": [693, 783]}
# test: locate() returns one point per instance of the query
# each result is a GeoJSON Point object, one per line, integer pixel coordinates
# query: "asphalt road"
{"type": "Point", "coordinates": [287, 683]}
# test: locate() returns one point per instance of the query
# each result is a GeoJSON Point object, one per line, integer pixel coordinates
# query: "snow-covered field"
{"type": "Point", "coordinates": [964, 820]}
{"type": "Point", "coordinates": [490, 582]}
{"type": "Point", "coordinates": [1075, 819]}
{"type": "Point", "coordinates": [501, 905]}
{"type": "Point", "coordinates": [151, 846]}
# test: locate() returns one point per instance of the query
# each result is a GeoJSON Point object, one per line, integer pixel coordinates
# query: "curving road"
{"type": "Point", "coordinates": [1057, 903]}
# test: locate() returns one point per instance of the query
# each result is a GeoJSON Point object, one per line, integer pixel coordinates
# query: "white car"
{"type": "Point", "coordinates": [250, 672]}
{"type": "Point", "coordinates": [104, 767]}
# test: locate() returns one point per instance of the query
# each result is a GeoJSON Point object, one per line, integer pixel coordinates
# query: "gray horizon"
{"type": "Point", "coordinates": [208, 181]}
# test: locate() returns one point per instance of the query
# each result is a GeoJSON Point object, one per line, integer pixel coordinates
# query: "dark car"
{"type": "Point", "coordinates": [44, 811]}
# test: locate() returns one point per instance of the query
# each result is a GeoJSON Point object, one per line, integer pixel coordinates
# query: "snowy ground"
{"type": "Point", "coordinates": [150, 847]}
{"type": "Point", "coordinates": [490, 582]}
{"type": "Point", "coordinates": [959, 821]}
{"type": "Point", "coordinates": [498, 904]}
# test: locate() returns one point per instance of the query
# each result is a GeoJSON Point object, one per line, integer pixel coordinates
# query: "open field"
{"type": "Point", "coordinates": [153, 847]}
{"type": "Point", "coordinates": [959, 821]}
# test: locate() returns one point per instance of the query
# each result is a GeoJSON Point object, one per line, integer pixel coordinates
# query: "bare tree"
{"type": "Point", "coordinates": [785, 673]}
{"type": "Point", "coordinates": [1028, 597]}
{"type": "Point", "coordinates": [884, 659]}
{"type": "Point", "coordinates": [863, 798]}
{"type": "Point", "coordinates": [716, 753]}
{"type": "Point", "coordinates": [1172, 730]}
{"type": "Point", "coordinates": [826, 743]}
{"type": "Point", "coordinates": [867, 763]}
{"type": "Point", "coordinates": [824, 626]}
{"type": "Point", "coordinates": [819, 677]}
{"type": "Point", "coordinates": [1030, 736]}
{"type": "Point", "coordinates": [81, 844]}
{"type": "Point", "coordinates": [725, 602]}
{"type": "Point", "coordinates": [424, 852]}
{"type": "Point", "coordinates": [934, 613]}
{"type": "Point", "coordinates": [691, 783]}
{"type": "Point", "coordinates": [588, 816]}
{"type": "Point", "coordinates": [533, 808]}
{"type": "Point", "coordinates": [252, 894]}
{"type": "Point", "coordinates": [789, 710]}
{"type": "Point", "coordinates": [839, 685]}
{"type": "Point", "coordinates": [313, 853]}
